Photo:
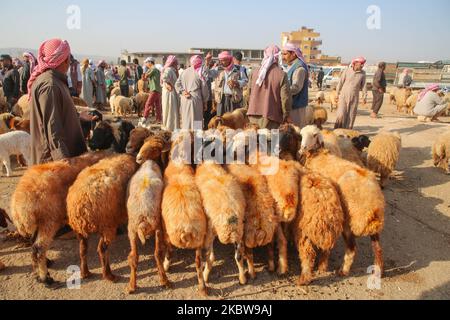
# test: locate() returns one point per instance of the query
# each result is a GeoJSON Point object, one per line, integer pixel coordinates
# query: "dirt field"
{"type": "Point", "coordinates": [416, 241]}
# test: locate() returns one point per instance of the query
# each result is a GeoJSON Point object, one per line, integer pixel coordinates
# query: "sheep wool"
{"type": "Point", "coordinates": [441, 152]}
{"type": "Point", "coordinates": [14, 143]}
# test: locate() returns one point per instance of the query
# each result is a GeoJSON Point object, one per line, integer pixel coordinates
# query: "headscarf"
{"type": "Point", "coordinates": [271, 55]}
{"type": "Point", "coordinates": [51, 55]}
{"type": "Point", "coordinates": [362, 60]}
{"type": "Point", "coordinates": [197, 64]}
{"type": "Point", "coordinates": [32, 59]}
{"type": "Point", "coordinates": [101, 62]}
{"type": "Point", "coordinates": [431, 87]}
{"type": "Point", "coordinates": [406, 71]}
{"type": "Point", "coordinates": [226, 55]}
{"type": "Point", "coordinates": [84, 65]}
{"type": "Point", "coordinates": [171, 62]}
{"type": "Point", "coordinates": [293, 48]}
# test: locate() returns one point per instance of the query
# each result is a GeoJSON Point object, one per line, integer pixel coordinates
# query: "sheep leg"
{"type": "Point", "coordinates": [39, 249]}
{"type": "Point", "coordinates": [239, 257]}
{"type": "Point", "coordinates": [85, 274]}
{"type": "Point", "coordinates": [2, 266]}
{"type": "Point", "coordinates": [250, 263]}
{"type": "Point", "coordinates": [350, 252]}
{"type": "Point", "coordinates": [323, 261]}
{"type": "Point", "coordinates": [307, 256]}
{"type": "Point", "coordinates": [168, 256]}
{"type": "Point", "coordinates": [7, 164]}
{"type": "Point", "coordinates": [383, 181]}
{"type": "Point", "coordinates": [133, 261]}
{"type": "Point", "coordinates": [199, 266]}
{"type": "Point", "coordinates": [271, 254]}
{"type": "Point", "coordinates": [378, 252]}
{"type": "Point", "coordinates": [283, 266]}
{"type": "Point", "coordinates": [159, 247]}
{"type": "Point", "coordinates": [103, 253]}
{"type": "Point", "coordinates": [210, 258]}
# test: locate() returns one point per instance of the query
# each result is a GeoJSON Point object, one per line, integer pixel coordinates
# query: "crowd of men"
{"type": "Point", "coordinates": [180, 98]}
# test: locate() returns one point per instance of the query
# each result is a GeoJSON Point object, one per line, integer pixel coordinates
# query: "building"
{"type": "Point", "coordinates": [309, 42]}
{"type": "Point", "coordinates": [251, 57]}
{"type": "Point", "coordinates": [160, 56]}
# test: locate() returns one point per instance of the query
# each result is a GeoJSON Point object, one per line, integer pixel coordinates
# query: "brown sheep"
{"type": "Point", "coordinates": [79, 102]}
{"type": "Point", "coordinates": [3, 224]}
{"type": "Point", "coordinates": [290, 140]}
{"type": "Point", "coordinates": [361, 195]}
{"type": "Point", "coordinates": [283, 181]}
{"type": "Point", "coordinates": [350, 152]}
{"type": "Point", "coordinates": [96, 203]}
{"type": "Point", "coordinates": [320, 117]}
{"type": "Point", "coordinates": [331, 99]}
{"type": "Point", "coordinates": [441, 152]}
{"type": "Point", "coordinates": [224, 204]}
{"type": "Point", "coordinates": [346, 133]}
{"type": "Point", "coordinates": [401, 95]}
{"type": "Point", "coordinates": [140, 100]}
{"type": "Point", "coordinates": [331, 143]}
{"type": "Point", "coordinates": [261, 221]}
{"type": "Point", "coordinates": [5, 122]}
{"type": "Point", "coordinates": [38, 205]}
{"type": "Point", "coordinates": [22, 108]}
{"type": "Point", "coordinates": [137, 139]}
{"type": "Point", "coordinates": [383, 155]}
{"type": "Point", "coordinates": [235, 120]}
{"type": "Point", "coordinates": [319, 222]}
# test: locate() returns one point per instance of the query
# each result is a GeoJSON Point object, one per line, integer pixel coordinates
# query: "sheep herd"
{"type": "Point", "coordinates": [327, 184]}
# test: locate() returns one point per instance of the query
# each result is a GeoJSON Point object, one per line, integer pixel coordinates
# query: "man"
{"type": "Point", "coordinates": [75, 78]}
{"type": "Point", "coordinates": [138, 72]}
{"type": "Point", "coordinates": [379, 89]}
{"type": "Point", "coordinates": [270, 99]}
{"type": "Point", "coordinates": [351, 83]}
{"type": "Point", "coordinates": [124, 74]}
{"type": "Point", "coordinates": [430, 104]}
{"type": "Point", "coordinates": [29, 62]}
{"type": "Point", "coordinates": [55, 127]}
{"type": "Point", "coordinates": [101, 84]}
{"type": "Point", "coordinates": [405, 80]}
{"type": "Point", "coordinates": [230, 81]}
{"type": "Point", "coordinates": [11, 81]}
{"type": "Point", "coordinates": [193, 89]}
{"type": "Point", "coordinates": [237, 60]}
{"type": "Point", "coordinates": [153, 104]}
{"type": "Point", "coordinates": [320, 78]}
{"type": "Point", "coordinates": [298, 80]}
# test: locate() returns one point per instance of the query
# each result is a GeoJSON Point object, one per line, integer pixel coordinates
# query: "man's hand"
{"type": "Point", "coordinates": [187, 94]}
{"type": "Point", "coordinates": [169, 87]}
{"type": "Point", "coordinates": [287, 119]}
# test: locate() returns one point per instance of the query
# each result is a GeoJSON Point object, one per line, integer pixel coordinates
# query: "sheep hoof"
{"type": "Point", "coordinates": [304, 281]}
{"type": "Point", "coordinates": [282, 271]}
{"type": "Point", "coordinates": [203, 292]}
{"type": "Point", "coordinates": [2, 266]}
{"type": "Point", "coordinates": [50, 263]}
{"type": "Point", "coordinates": [252, 275]}
{"type": "Point", "coordinates": [342, 273]}
{"type": "Point", "coordinates": [112, 278]}
{"type": "Point", "coordinates": [131, 289]}
{"type": "Point", "coordinates": [86, 275]}
{"type": "Point", "coordinates": [243, 280]}
{"type": "Point", "coordinates": [167, 285]}
{"type": "Point", "coordinates": [50, 283]}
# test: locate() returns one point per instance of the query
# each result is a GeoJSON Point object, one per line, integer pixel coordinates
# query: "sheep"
{"type": "Point", "coordinates": [411, 103]}
{"type": "Point", "coordinates": [224, 205]}
{"type": "Point", "coordinates": [320, 117]}
{"type": "Point", "coordinates": [79, 102]}
{"type": "Point", "coordinates": [111, 134]}
{"type": "Point", "coordinates": [383, 155]}
{"type": "Point", "coordinates": [137, 139]}
{"type": "Point", "coordinates": [235, 120]}
{"type": "Point", "coordinates": [14, 143]}
{"type": "Point", "coordinates": [4, 224]}
{"type": "Point", "coordinates": [116, 92]}
{"type": "Point", "coordinates": [139, 101]}
{"type": "Point", "coordinates": [142, 86]}
{"type": "Point", "coordinates": [38, 205]}
{"type": "Point", "coordinates": [331, 99]}
{"type": "Point", "coordinates": [144, 217]}
{"type": "Point", "coordinates": [22, 108]}
{"type": "Point", "coordinates": [350, 152]}
{"type": "Point", "coordinates": [184, 219]}
{"type": "Point", "coordinates": [88, 121]}
{"type": "Point", "coordinates": [261, 221]}
{"type": "Point", "coordinates": [347, 133]}
{"type": "Point", "coordinates": [318, 224]}
{"type": "Point", "coordinates": [3, 103]}
{"type": "Point", "coordinates": [290, 140]}
{"type": "Point", "coordinates": [96, 203]}
{"type": "Point", "coordinates": [441, 152]}
{"type": "Point", "coordinates": [123, 106]}
{"type": "Point", "coordinates": [401, 95]}
{"type": "Point", "coordinates": [283, 182]}
{"type": "Point", "coordinates": [320, 98]}
{"type": "Point", "coordinates": [5, 122]}
{"type": "Point", "coordinates": [361, 195]}
{"type": "Point", "coordinates": [331, 143]}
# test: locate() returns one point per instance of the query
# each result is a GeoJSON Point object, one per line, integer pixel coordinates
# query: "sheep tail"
{"type": "Point", "coordinates": [186, 238]}
{"type": "Point", "coordinates": [141, 232]}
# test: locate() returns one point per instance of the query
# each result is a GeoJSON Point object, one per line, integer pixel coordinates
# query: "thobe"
{"type": "Point", "coordinates": [350, 84]}
{"type": "Point", "coordinates": [192, 109]}
{"type": "Point", "coordinates": [87, 93]}
{"type": "Point", "coordinates": [431, 105]}
{"type": "Point", "coordinates": [170, 101]}
{"type": "Point", "coordinates": [101, 86]}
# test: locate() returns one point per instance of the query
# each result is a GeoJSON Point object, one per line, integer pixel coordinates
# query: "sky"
{"type": "Point", "coordinates": [409, 30]}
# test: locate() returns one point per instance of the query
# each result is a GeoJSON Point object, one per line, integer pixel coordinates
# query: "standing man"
{"type": "Point", "coordinates": [75, 77]}
{"type": "Point", "coordinates": [153, 104]}
{"type": "Point", "coordinates": [298, 80]}
{"type": "Point", "coordinates": [351, 83]}
{"type": "Point", "coordinates": [270, 99]}
{"type": "Point", "coordinates": [55, 127]}
{"type": "Point", "coordinates": [139, 71]}
{"type": "Point", "coordinates": [229, 85]}
{"type": "Point", "coordinates": [11, 81]}
{"type": "Point", "coordinates": [379, 89]}
{"type": "Point", "coordinates": [320, 77]}
{"type": "Point", "coordinates": [124, 74]}
{"type": "Point", "coordinates": [101, 84]}
{"type": "Point", "coordinates": [29, 63]}
{"type": "Point", "coordinates": [193, 89]}
{"type": "Point", "coordinates": [405, 79]}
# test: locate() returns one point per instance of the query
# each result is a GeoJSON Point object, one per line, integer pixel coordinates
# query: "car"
{"type": "Point", "coordinates": [332, 76]}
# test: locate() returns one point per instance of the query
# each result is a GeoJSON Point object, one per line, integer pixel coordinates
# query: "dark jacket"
{"type": "Point", "coordinates": [55, 126]}
{"type": "Point", "coordinates": [379, 80]}
{"type": "Point", "coordinates": [11, 83]}
{"type": "Point", "coordinates": [25, 76]}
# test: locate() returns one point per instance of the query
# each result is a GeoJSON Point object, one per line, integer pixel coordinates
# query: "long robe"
{"type": "Point", "coordinates": [350, 84]}
{"type": "Point", "coordinates": [101, 86]}
{"type": "Point", "coordinates": [87, 93]}
{"type": "Point", "coordinates": [192, 108]}
{"type": "Point", "coordinates": [170, 101]}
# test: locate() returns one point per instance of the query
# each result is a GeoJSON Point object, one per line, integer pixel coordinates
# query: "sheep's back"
{"type": "Point", "coordinates": [383, 154]}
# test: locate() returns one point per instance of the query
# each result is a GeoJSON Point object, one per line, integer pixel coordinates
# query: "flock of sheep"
{"type": "Point", "coordinates": [325, 187]}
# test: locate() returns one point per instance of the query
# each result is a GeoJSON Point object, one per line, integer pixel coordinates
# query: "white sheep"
{"type": "Point", "coordinates": [14, 143]}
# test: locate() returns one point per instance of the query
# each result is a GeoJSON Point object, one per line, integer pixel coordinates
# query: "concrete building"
{"type": "Point", "coordinates": [309, 42]}
{"type": "Point", "coordinates": [183, 57]}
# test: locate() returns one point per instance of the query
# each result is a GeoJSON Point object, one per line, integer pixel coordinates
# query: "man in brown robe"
{"type": "Point", "coordinates": [55, 126]}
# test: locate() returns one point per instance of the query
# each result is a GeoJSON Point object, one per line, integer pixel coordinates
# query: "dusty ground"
{"type": "Point", "coordinates": [416, 241]}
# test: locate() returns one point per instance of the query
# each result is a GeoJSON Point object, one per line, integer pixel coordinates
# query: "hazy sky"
{"type": "Point", "coordinates": [410, 30]}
